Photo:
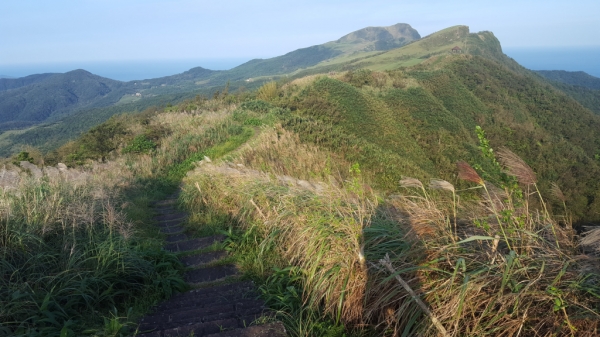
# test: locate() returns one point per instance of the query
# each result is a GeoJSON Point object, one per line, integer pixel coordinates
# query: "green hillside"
{"type": "Point", "coordinates": [420, 121]}
{"type": "Point", "coordinates": [580, 86]}
{"type": "Point", "coordinates": [419, 104]}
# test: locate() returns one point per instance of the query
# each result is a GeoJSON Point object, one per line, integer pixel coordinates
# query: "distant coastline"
{"type": "Point", "coordinates": [571, 59]}
{"type": "Point", "coordinates": [123, 70]}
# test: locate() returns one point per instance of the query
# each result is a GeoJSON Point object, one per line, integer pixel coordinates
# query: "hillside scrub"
{"type": "Point", "coordinates": [419, 121]}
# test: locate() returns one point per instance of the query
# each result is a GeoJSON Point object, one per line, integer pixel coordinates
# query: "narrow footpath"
{"type": "Point", "coordinates": [219, 305]}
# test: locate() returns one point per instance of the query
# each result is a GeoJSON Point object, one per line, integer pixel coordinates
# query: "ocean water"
{"type": "Point", "coordinates": [571, 59]}
{"type": "Point", "coordinates": [123, 70]}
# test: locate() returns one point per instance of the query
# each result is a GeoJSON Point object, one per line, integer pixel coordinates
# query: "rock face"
{"type": "Point", "coordinates": [11, 176]}
{"type": "Point", "coordinates": [36, 172]}
{"type": "Point", "coordinates": [8, 178]}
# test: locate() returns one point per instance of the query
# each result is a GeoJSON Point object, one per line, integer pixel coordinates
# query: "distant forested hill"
{"type": "Point", "coordinates": [34, 99]}
{"type": "Point", "coordinates": [12, 83]}
{"type": "Point", "coordinates": [578, 78]}
{"type": "Point", "coordinates": [580, 86]}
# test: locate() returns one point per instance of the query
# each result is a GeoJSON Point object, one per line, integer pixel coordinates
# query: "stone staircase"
{"type": "Point", "coordinates": [219, 305]}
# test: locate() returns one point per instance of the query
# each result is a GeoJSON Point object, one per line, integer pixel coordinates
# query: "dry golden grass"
{"type": "Point", "coordinates": [267, 91]}
{"type": "Point", "coordinates": [517, 167]}
{"type": "Point", "coordinates": [280, 152]}
{"type": "Point", "coordinates": [319, 233]}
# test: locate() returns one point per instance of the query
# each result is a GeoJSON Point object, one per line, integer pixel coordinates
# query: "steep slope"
{"type": "Point", "coordinates": [580, 86]}
{"type": "Point", "coordinates": [51, 95]}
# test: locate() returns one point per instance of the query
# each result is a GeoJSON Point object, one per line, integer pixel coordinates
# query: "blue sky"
{"type": "Point", "coordinates": [38, 31]}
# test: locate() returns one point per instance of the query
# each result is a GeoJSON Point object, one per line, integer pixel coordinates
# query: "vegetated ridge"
{"type": "Point", "coordinates": [36, 98]}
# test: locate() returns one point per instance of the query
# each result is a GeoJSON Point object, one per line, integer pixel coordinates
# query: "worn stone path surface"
{"type": "Point", "coordinates": [213, 308]}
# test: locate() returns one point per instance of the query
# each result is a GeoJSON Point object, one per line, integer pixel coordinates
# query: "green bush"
{"type": "Point", "coordinates": [256, 106]}
{"type": "Point", "coordinates": [140, 144]}
{"type": "Point", "coordinates": [22, 156]}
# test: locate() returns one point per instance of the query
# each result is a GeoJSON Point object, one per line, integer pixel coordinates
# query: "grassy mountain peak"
{"type": "Point", "coordinates": [455, 40]}
{"type": "Point", "coordinates": [374, 34]}
{"type": "Point", "coordinates": [376, 38]}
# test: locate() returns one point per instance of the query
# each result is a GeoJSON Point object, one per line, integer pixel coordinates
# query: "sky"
{"type": "Point", "coordinates": [72, 31]}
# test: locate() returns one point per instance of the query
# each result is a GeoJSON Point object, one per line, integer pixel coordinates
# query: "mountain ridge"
{"type": "Point", "coordinates": [36, 98]}
{"type": "Point", "coordinates": [436, 50]}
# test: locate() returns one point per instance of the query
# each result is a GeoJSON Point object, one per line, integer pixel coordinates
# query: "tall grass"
{"type": "Point", "coordinates": [420, 263]}
{"type": "Point", "coordinates": [69, 256]}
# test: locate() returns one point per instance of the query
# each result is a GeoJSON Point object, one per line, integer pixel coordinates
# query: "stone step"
{"type": "Point", "coordinates": [194, 244]}
{"type": "Point", "coordinates": [199, 329]}
{"type": "Point", "coordinates": [207, 296]}
{"type": "Point", "coordinates": [196, 303]}
{"type": "Point", "coordinates": [246, 309]}
{"type": "Point", "coordinates": [166, 202]}
{"type": "Point", "coordinates": [169, 223]}
{"type": "Point", "coordinates": [171, 216]}
{"type": "Point", "coordinates": [275, 329]}
{"type": "Point", "coordinates": [176, 237]}
{"type": "Point", "coordinates": [204, 258]}
{"type": "Point", "coordinates": [165, 210]}
{"type": "Point", "coordinates": [183, 317]}
{"type": "Point", "coordinates": [172, 229]}
{"type": "Point", "coordinates": [210, 274]}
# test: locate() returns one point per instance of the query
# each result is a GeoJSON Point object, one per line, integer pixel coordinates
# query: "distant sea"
{"type": "Point", "coordinates": [571, 59]}
{"type": "Point", "coordinates": [124, 70]}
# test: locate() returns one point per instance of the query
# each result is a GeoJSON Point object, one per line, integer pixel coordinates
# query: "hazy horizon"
{"type": "Point", "coordinates": [126, 70]}
{"type": "Point", "coordinates": [541, 58]}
